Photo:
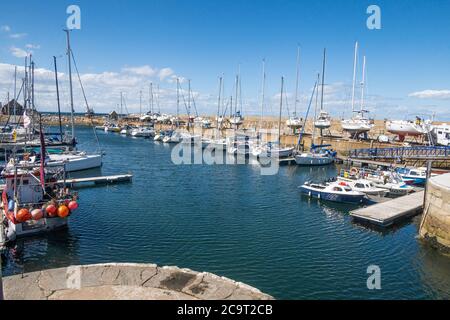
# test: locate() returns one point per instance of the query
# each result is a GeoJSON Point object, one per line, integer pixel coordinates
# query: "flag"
{"type": "Point", "coordinates": [26, 120]}
{"type": "Point", "coordinates": [41, 171]}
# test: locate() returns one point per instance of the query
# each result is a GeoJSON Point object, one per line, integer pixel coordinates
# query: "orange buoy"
{"type": "Point", "coordinates": [63, 211]}
{"type": "Point", "coordinates": [23, 215]}
{"type": "Point", "coordinates": [37, 214]}
{"type": "Point", "coordinates": [73, 205]}
{"type": "Point", "coordinates": [51, 210]}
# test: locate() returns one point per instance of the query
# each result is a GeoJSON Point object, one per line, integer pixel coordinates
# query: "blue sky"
{"type": "Point", "coordinates": [408, 63]}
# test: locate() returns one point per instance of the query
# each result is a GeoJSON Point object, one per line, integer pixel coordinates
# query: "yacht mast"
{"type": "Point", "coordinates": [15, 91]}
{"type": "Point", "coordinates": [69, 51]}
{"type": "Point", "coordinates": [281, 107]}
{"type": "Point", "coordinates": [218, 102]}
{"type": "Point", "coordinates": [323, 78]}
{"type": "Point", "coordinates": [363, 83]}
{"type": "Point", "coordinates": [151, 97]}
{"type": "Point", "coordinates": [297, 80]}
{"type": "Point", "coordinates": [178, 99]}
{"type": "Point", "coordinates": [263, 93]}
{"type": "Point", "coordinates": [57, 98]}
{"type": "Point", "coordinates": [354, 76]}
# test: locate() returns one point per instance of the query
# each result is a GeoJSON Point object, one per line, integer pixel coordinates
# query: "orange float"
{"type": "Point", "coordinates": [63, 211]}
{"type": "Point", "coordinates": [23, 215]}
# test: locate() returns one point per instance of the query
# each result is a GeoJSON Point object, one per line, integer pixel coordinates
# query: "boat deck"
{"type": "Point", "coordinates": [388, 212]}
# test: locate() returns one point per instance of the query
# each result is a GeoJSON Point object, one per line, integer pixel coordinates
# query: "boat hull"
{"type": "Point", "coordinates": [334, 197]}
{"type": "Point", "coordinates": [76, 163]}
{"type": "Point", "coordinates": [313, 161]}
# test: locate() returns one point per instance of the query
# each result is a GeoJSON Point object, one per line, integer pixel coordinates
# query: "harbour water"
{"type": "Point", "coordinates": [235, 222]}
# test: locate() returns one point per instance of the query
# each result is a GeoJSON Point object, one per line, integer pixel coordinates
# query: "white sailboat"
{"type": "Point", "coordinates": [74, 160]}
{"type": "Point", "coordinates": [404, 128]}
{"type": "Point", "coordinates": [323, 121]}
{"type": "Point", "coordinates": [295, 122]}
{"type": "Point", "coordinates": [319, 155]}
{"type": "Point", "coordinates": [359, 123]}
{"type": "Point", "coordinates": [274, 150]}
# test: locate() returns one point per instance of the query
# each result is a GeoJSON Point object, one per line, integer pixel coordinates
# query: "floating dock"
{"type": "Point", "coordinates": [98, 180]}
{"type": "Point", "coordinates": [386, 213]}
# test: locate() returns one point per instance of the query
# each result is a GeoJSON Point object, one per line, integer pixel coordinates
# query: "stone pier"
{"type": "Point", "coordinates": [119, 281]}
{"type": "Point", "coordinates": [435, 226]}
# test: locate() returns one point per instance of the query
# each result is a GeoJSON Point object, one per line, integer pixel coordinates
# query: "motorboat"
{"type": "Point", "coordinates": [333, 191]}
{"type": "Point", "coordinates": [294, 122]}
{"type": "Point", "coordinates": [364, 186]}
{"type": "Point", "coordinates": [441, 134]}
{"type": "Point", "coordinates": [271, 150]}
{"type": "Point", "coordinates": [144, 132]}
{"type": "Point", "coordinates": [417, 175]}
{"type": "Point", "coordinates": [389, 180]}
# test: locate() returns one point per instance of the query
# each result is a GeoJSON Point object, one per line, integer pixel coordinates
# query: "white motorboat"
{"type": "Point", "coordinates": [333, 191]}
{"type": "Point", "coordinates": [390, 181]}
{"type": "Point", "coordinates": [364, 186]}
{"type": "Point", "coordinates": [143, 132]}
{"type": "Point", "coordinates": [112, 127]}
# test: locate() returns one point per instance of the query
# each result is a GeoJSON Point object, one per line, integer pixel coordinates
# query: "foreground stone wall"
{"type": "Point", "coordinates": [115, 281]}
{"type": "Point", "coordinates": [435, 226]}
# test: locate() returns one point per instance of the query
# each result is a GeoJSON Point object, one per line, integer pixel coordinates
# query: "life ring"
{"type": "Point", "coordinates": [354, 171]}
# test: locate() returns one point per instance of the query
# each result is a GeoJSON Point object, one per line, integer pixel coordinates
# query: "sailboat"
{"type": "Point", "coordinates": [404, 128]}
{"type": "Point", "coordinates": [237, 119]}
{"type": "Point", "coordinates": [323, 121]}
{"type": "Point", "coordinates": [359, 123]}
{"type": "Point", "coordinates": [295, 122]}
{"type": "Point", "coordinates": [74, 160]}
{"type": "Point", "coordinates": [319, 155]}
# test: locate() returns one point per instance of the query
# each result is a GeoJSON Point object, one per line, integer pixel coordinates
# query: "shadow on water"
{"type": "Point", "coordinates": [44, 251]}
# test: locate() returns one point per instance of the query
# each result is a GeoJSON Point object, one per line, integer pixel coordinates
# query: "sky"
{"type": "Point", "coordinates": [123, 46]}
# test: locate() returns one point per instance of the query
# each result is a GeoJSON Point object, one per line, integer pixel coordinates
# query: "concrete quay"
{"type": "Point", "coordinates": [126, 281]}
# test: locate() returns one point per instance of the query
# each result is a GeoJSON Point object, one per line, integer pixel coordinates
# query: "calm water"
{"type": "Point", "coordinates": [232, 221]}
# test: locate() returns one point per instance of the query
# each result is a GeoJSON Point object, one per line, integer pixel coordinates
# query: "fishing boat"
{"type": "Point", "coordinates": [359, 122]}
{"type": "Point", "coordinates": [33, 201]}
{"type": "Point", "coordinates": [333, 191]}
{"type": "Point", "coordinates": [404, 128]}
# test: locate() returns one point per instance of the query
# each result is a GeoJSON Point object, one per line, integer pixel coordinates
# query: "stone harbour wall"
{"type": "Point", "coordinates": [126, 281]}
{"type": "Point", "coordinates": [435, 226]}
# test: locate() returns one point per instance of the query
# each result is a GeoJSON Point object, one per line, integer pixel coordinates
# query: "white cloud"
{"type": "Point", "coordinates": [140, 71]}
{"type": "Point", "coordinates": [431, 94]}
{"type": "Point", "coordinates": [32, 46]}
{"type": "Point", "coordinates": [5, 28]}
{"type": "Point", "coordinates": [18, 52]}
{"type": "Point", "coordinates": [17, 35]}
{"type": "Point", "coordinates": [164, 73]}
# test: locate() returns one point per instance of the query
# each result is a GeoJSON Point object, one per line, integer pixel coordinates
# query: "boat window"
{"type": "Point", "coordinates": [348, 189]}
{"type": "Point", "coordinates": [359, 185]}
{"type": "Point", "coordinates": [337, 189]}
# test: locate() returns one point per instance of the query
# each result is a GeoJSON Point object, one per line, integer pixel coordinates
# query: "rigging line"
{"type": "Point", "coordinates": [85, 99]}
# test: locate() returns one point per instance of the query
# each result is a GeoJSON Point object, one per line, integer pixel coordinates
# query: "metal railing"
{"type": "Point", "coordinates": [417, 152]}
